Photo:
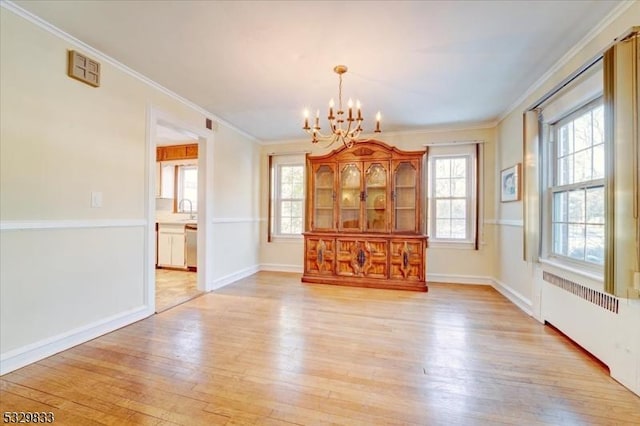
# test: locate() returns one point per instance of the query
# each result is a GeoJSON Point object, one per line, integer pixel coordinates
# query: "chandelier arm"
{"type": "Point", "coordinates": [318, 134]}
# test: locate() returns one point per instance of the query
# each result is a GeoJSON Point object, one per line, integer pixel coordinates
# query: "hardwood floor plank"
{"type": "Point", "coordinates": [269, 350]}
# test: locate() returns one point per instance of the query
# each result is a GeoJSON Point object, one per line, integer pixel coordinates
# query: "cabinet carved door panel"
{"type": "Point", "coordinates": [361, 258]}
{"type": "Point", "coordinates": [320, 256]}
{"type": "Point", "coordinates": [407, 260]}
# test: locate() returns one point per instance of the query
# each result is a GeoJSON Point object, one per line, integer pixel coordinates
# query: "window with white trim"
{"type": "Point", "coordinates": [576, 190]}
{"type": "Point", "coordinates": [288, 190]}
{"type": "Point", "coordinates": [188, 188]}
{"type": "Point", "coordinates": [452, 195]}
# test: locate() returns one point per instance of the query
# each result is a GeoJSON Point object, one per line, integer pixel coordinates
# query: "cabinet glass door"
{"type": "Point", "coordinates": [377, 215]}
{"type": "Point", "coordinates": [323, 198]}
{"type": "Point", "coordinates": [349, 197]}
{"type": "Point", "coordinates": [405, 217]}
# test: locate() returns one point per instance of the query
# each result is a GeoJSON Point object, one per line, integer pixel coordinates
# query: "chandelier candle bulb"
{"type": "Point", "coordinates": [350, 105]}
{"type": "Point", "coordinates": [378, 117]}
{"type": "Point", "coordinates": [359, 110]}
{"type": "Point", "coordinates": [331, 117]}
{"type": "Point", "coordinates": [306, 119]}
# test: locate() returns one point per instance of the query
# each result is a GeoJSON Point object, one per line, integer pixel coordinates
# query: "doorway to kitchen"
{"type": "Point", "coordinates": [176, 217]}
{"type": "Point", "coordinates": [177, 212]}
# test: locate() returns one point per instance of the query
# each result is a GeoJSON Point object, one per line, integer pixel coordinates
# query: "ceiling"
{"type": "Point", "coordinates": [258, 64]}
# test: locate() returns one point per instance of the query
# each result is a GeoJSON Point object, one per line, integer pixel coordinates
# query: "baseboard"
{"type": "Point", "coordinates": [233, 277]}
{"type": "Point", "coordinates": [514, 297]}
{"type": "Point", "coordinates": [279, 267]}
{"type": "Point", "coordinates": [33, 352]}
{"type": "Point", "coordinates": [458, 279]}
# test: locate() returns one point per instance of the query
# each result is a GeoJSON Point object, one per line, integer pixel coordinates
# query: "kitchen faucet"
{"type": "Point", "coordinates": [181, 207]}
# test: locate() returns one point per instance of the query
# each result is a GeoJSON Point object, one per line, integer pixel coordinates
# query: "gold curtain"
{"type": "Point", "coordinates": [621, 85]}
{"type": "Point", "coordinates": [531, 186]}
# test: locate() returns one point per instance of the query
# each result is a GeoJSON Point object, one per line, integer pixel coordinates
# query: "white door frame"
{"type": "Point", "coordinates": [205, 139]}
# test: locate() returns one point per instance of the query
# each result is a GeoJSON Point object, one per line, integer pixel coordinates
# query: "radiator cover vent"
{"type": "Point", "coordinates": [598, 298]}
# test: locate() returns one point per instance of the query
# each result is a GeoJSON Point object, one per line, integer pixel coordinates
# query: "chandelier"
{"type": "Point", "coordinates": [346, 133]}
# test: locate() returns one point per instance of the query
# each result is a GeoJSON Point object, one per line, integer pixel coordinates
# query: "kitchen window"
{"type": "Point", "coordinates": [187, 188]}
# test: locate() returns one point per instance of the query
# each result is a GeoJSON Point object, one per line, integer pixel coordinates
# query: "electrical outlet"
{"type": "Point", "coordinates": [96, 199]}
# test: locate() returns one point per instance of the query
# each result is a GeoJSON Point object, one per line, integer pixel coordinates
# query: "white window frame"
{"type": "Point", "coordinates": [550, 160]}
{"type": "Point", "coordinates": [278, 163]}
{"type": "Point", "coordinates": [467, 151]}
{"type": "Point", "coordinates": [180, 188]}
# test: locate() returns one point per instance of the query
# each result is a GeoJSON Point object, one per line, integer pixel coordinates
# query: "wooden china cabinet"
{"type": "Point", "coordinates": [364, 222]}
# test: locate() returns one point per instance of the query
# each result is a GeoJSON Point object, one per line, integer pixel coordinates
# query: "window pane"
{"type": "Point", "coordinates": [458, 209]}
{"type": "Point", "coordinates": [443, 167]}
{"type": "Point", "coordinates": [595, 244]}
{"type": "Point", "coordinates": [560, 238]}
{"type": "Point", "coordinates": [566, 139]}
{"type": "Point", "coordinates": [598, 125]}
{"type": "Point", "coordinates": [576, 241]}
{"type": "Point", "coordinates": [598, 162]}
{"type": "Point", "coordinates": [576, 206]}
{"type": "Point", "coordinates": [582, 132]}
{"type": "Point", "coordinates": [296, 208]}
{"type": "Point", "coordinates": [560, 212]}
{"type": "Point", "coordinates": [595, 205]}
{"type": "Point", "coordinates": [458, 228]}
{"type": "Point", "coordinates": [459, 167]}
{"type": "Point", "coordinates": [458, 187]}
{"type": "Point", "coordinates": [565, 142]}
{"type": "Point", "coordinates": [443, 209]}
{"type": "Point", "coordinates": [286, 190]}
{"type": "Point", "coordinates": [285, 174]}
{"type": "Point", "coordinates": [443, 228]}
{"type": "Point", "coordinates": [582, 166]}
{"type": "Point", "coordinates": [285, 210]}
{"type": "Point", "coordinates": [297, 190]}
{"type": "Point", "coordinates": [296, 225]}
{"type": "Point", "coordinates": [565, 170]}
{"type": "Point", "coordinates": [285, 225]}
{"type": "Point", "coordinates": [443, 188]}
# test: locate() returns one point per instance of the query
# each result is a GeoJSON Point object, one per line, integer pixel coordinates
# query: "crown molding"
{"type": "Point", "coordinates": [427, 130]}
{"type": "Point", "coordinates": [606, 21]}
{"type": "Point", "coordinates": [52, 29]}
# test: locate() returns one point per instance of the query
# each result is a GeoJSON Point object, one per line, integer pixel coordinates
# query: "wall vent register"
{"type": "Point", "coordinates": [83, 68]}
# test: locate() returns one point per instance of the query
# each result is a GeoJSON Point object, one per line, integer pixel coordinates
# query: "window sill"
{"type": "Point", "coordinates": [296, 239]}
{"type": "Point", "coordinates": [597, 277]}
{"type": "Point", "coordinates": [458, 245]}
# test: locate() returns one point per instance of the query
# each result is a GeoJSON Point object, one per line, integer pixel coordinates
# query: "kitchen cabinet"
{"type": "Point", "coordinates": [364, 221]}
{"type": "Point", "coordinates": [177, 152]}
{"type": "Point", "coordinates": [171, 245]}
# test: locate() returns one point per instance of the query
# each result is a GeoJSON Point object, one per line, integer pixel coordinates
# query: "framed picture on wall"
{"type": "Point", "coordinates": [510, 184]}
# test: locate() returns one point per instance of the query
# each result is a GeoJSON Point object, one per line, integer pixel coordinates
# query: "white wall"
{"type": "Point", "coordinates": [70, 272]}
{"type": "Point", "coordinates": [615, 339]}
{"type": "Point", "coordinates": [452, 265]}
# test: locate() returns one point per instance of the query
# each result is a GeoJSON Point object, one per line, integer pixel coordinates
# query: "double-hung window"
{"type": "Point", "coordinates": [288, 196]}
{"type": "Point", "coordinates": [576, 186]}
{"type": "Point", "coordinates": [452, 195]}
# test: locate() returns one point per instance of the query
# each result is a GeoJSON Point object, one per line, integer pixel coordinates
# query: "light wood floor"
{"type": "Point", "coordinates": [268, 350]}
{"type": "Point", "coordinates": [175, 287]}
